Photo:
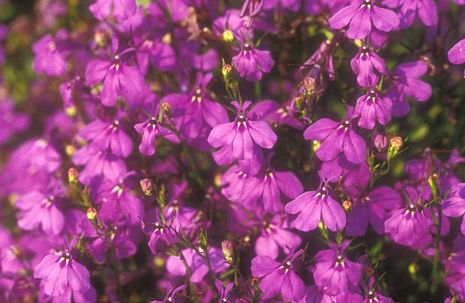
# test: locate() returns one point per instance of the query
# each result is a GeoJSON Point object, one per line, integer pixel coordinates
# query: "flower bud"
{"type": "Point", "coordinates": [228, 36]}
{"type": "Point", "coordinates": [91, 214]}
{"type": "Point", "coordinates": [433, 184]}
{"type": "Point", "coordinates": [147, 186]}
{"type": "Point", "coordinates": [347, 205]}
{"type": "Point", "coordinates": [380, 141]}
{"type": "Point", "coordinates": [72, 176]}
{"type": "Point", "coordinates": [396, 143]}
{"type": "Point", "coordinates": [226, 70]}
{"type": "Point", "coordinates": [228, 250]}
{"type": "Point", "coordinates": [70, 150]}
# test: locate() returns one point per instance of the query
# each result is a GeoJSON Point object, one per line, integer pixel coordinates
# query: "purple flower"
{"type": "Point", "coordinates": [49, 57]}
{"type": "Point", "coordinates": [456, 54]}
{"type": "Point", "coordinates": [372, 108]}
{"type": "Point", "coordinates": [197, 263]}
{"type": "Point", "coordinates": [251, 8]}
{"type": "Point", "coordinates": [334, 273]}
{"type": "Point", "coordinates": [264, 191]}
{"type": "Point", "coordinates": [312, 207]}
{"type": "Point", "coordinates": [406, 83]}
{"type": "Point", "coordinates": [59, 272]}
{"type": "Point", "coordinates": [410, 225]}
{"type": "Point", "coordinates": [239, 139]}
{"type": "Point", "coordinates": [364, 65]}
{"type": "Point", "coordinates": [409, 9]}
{"type": "Point", "coordinates": [336, 138]}
{"type": "Point", "coordinates": [361, 15]}
{"type": "Point", "coordinates": [120, 9]}
{"type": "Point", "coordinates": [274, 235]}
{"type": "Point", "coordinates": [372, 209]}
{"type": "Point", "coordinates": [150, 130]}
{"type": "Point", "coordinates": [454, 204]}
{"type": "Point", "coordinates": [107, 136]}
{"type": "Point", "coordinates": [37, 209]}
{"type": "Point", "coordinates": [232, 22]}
{"type": "Point", "coordinates": [251, 62]}
{"type": "Point", "coordinates": [118, 78]}
{"type": "Point", "coordinates": [278, 278]}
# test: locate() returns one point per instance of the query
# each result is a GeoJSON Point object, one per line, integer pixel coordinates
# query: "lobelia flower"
{"type": "Point", "coordinates": [361, 15]}
{"type": "Point", "coordinates": [364, 65]}
{"type": "Point", "coordinates": [241, 138]}
{"type": "Point", "coordinates": [232, 26]}
{"type": "Point", "coordinates": [107, 136]}
{"type": "Point", "coordinates": [406, 83]}
{"type": "Point", "coordinates": [252, 62]}
{"type": "Point", "coordinates": [197, 263]}
{"type": "Point", "coordinates": [264, 191]}
{"type": "Point", "coordinates": [160, 233]}
{"type": "Point", "coordinates": [372, 296]}
{"type": "Point", "coordinates": [454, 204]}
{"type": "Point", "coordinates": [335, 138]}
{"type": "Point", "coordinates": [409, 9]}
{"type": "Point", "coordinates": [278, 278]}
{"type": "Point", "coordinates": [59, 272]}
{"type": "Point", "coordinates": [119, 241]}
{"type": "Point", "coordinates": [116, 200]}
{"type": "Point", "coordinates": [334, 273]}
{"type": "Point", "coordinates": [98, 164]}
{"type": "Point", "coordinates": [456, 54]}
{"type": "Point", "coordinates": [355, 177]}
{"type": "Point", "coordinates": [314, 295]}
{"type": "Point", "coordinates": [37, 209]}
{"type": "Point", "coordinates": [410, 226]}
{"type": "Point", "coordinates": [313, 207]}
{"type": "Point", "coordinates": [274, 235]}
{"type": "Point", "coordinates": [251, 8]}
{"type": "Point", "coordinates": [117, 77]}
{"type": "Point", "coordinates": [224, 292]}
{"type": "Point", "coordinates": [372, 108]}
{"type": "Point", "coordinates": [322, 58]}
{"type": "Point", "coordinates": [199, 110]}
{"type": "Point", "coordinates": [49, 56]}
{"type": "Point", "coordinates": [120, 9]}
{"type": "Point", "coordinates": [171, 294]}
{"type": "Point", "coordinates": [372, 209]}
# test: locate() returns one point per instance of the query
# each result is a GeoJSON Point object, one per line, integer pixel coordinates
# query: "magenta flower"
{"type": "Point", "coordinates": [274, 235]}
{"type": "Point", "coordinates": [197, 263]}
{"type": "Point", "coordinates": [410, 226]}
{"type": "Point", "coordinates": [49, 57]}
{"type": "Point", "coordinates": [313, 207]}
{"type": "Point", "coordinates": [118, 78]}
{"type": "Point", "coordinates": [406, 83]}
{"type": "Point", "coordinates": [251, 62]}
{"type": "Point", "coordinates": [278, 278]}
{"type": "Point", "coordinates": [59, 272]}
{"type": "Point", "coordinates": [361, 15]}
{"type": "Point", "coordinates": [264, 191]}
{"type": "Point", "coordinates": [409, 9]}
{"type": "Point", "coordinates": [336, 138]}
{"type": "Point", "coordinates": [36, 209]}
{"type": "Point", "coordinates": [334, 273]}
{"type": "Point", "coordinates": [150, 130]}
{"type": "Point", "coordinates": [372, 108]}
{"type": "Point", "coordinates": [107, 136]}
{"type": "Point", "coordinates": [233, 22]}
{"type": "Point", "coordinates": [454, 204]}
{"type": "Point", "coordinates": [120, 9]}
{"type": "Point", "coordinates": [372, 209]}
{"type": "Point", "coordinates": [456, 54]}
{"type": "Point", "coordinates": [364, 65]}
{"type": "Point", "coordinates": [239, 139]}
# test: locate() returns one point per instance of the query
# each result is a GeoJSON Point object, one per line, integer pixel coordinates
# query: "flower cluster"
{"type": "Point", "coordinates": [232, 151]}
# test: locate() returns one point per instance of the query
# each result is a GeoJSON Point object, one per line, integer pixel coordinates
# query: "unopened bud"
{"type": "Point", "coordinates": [226, 71]}
{"type": "Point", "coordinates": [433, 184]}
{"type": "Point", "coordinates": [347, 205]}
{"type": "Point", "coordinates": [380, 141]}
{"type": "Point", "coordinates": [72, 176]}
{"type": "Point", "coordinates": [91, 213]}
{"type": "Point", "coordinates": [396, 143]}
{"type": "Point", "coordinates": [228, 36]}
{"type": "Point", "coordinates": [70, 150]}
{"type": "Point", "coordinates": [147, 186]}
{"type": "Point", "coordinates": [228, 250]}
